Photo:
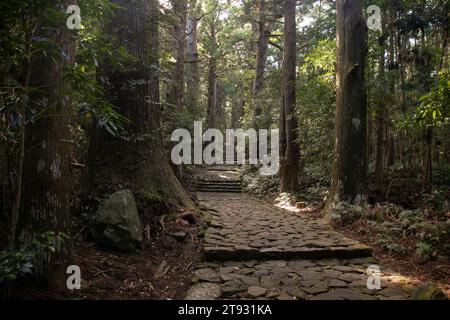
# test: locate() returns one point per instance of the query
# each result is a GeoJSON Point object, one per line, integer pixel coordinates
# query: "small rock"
{"type": "Point", "coordinates": [179, 236]}
{"type": "Point", "coordinates": [256, 292]}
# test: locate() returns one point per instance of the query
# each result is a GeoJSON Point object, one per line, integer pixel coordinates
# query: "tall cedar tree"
{"type": "Point", "coordinates": [45, 177]}
{"type": "Point", "coordinates": [289, 149]}
{"type": "Point", "coordinates": [137, 160]}
{"type": "Point", "coordinates": [350, 166]}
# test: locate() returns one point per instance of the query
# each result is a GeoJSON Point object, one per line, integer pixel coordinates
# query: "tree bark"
{"type": "Point", "coordinates": [136, 160]}
{"type": "Point", "coordinates": [289, 149]}
{"type": "Point", "coordinates": [350, 165]}
{"type": "Point", "coordinates": [428, 161]}
{"type": "Point", "coordinates": [264, 31]}
{"type": "Point", "coordinates": [380, 165]}
{"type": "Point", "coordinates": [45, 179]}
{"type": "Point", "coordinates": [212, 83]}
{"type": "Point", "coordinates": [192, 59]}
{"type": "Point", "coordinates": [179, 28]}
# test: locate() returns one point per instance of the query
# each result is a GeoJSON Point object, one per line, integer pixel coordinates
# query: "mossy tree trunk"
{"type": "Point", "coordinates": [137, 159]}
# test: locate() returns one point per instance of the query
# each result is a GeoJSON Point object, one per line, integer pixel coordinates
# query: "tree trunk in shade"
{"type": "Point", "coordinates": [179, 30]}
{"type": "Point", "coordinates": [45, 177]}
{"type": "Point", "coordinates": [192, 60]}
{"type": "Point", "coordinates": [264, 30]}
{"type": "Point", "coordinates": [138, 160]}
{"type": "Point", "coordinates": [350, 165]}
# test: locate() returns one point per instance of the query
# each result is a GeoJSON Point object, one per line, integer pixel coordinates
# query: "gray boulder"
{"type": "Point", "coordinates": [116, 224]}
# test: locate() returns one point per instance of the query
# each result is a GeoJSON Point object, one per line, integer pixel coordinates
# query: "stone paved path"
{"type": "Point", "coordinates": [253, 250]}
{"type": "Point", "coordinates": [246, 228]}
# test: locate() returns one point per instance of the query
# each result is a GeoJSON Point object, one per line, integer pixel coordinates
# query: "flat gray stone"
{"type": "Point", "coordinates": [256, 292]}
{"type": "Point", "coordinates": [233, 287]}
{"type": "Point", "coordinates": [335, 283]}
{"type": "Point", "coordinates": [270, 282]}
{"type": "Point", "coordinates": [294, 291]}
{"type": "Point", "coordinates": [179, 236]}
{"type": "Point", "coordinates": [207, 275]}
{"type": "Point", "coordinates": [314, 289]}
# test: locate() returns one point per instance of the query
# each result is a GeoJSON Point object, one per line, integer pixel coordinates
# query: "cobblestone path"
{"type": "Point", "coordinates": [253, 250]}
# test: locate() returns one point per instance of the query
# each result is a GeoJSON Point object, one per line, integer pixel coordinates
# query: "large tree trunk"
{"type": "Point", "coordinates": [380, 165]}
{"type": "Point", "coordinates": [179, 30]}
{"type": "Point", "coordinates": [192, 60]}
{"type": "Point", "coordinates": [428, 161]}
{"type": "Point", "coordinates": [212, 84]}
{"type": "Point", "coordinates": [350, 165]}
{"type": "Point", "coordinates": [289, 150]}
{"type": "Point", "coordinates": [264, 31]}
{"type": "Point", "coordinates": [137, 160]}
{"type": "Point", "coordinates": [212, 95]}
{"type": "Point", "coordinates": [45, 179]}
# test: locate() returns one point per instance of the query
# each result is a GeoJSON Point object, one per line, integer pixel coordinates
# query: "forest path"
{"type": "Point", "coordinates": [255, 250]}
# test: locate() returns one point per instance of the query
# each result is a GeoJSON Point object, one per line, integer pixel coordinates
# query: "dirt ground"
{"type": "Point", "coordinates": [162, 270]}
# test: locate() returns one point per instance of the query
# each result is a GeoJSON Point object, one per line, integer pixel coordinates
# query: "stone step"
{"type": "Point", "coordinates": [219, 188]}
{"type": "Point", "coordinates": [220, 183]}
{"type": "Point", "coordinates": [213, 188]}
{"type": "Point", "coordinates": [245, 253]}
{"type": "Point", "coordinates": [224, 187]}
{"type": "Point", "coordinates": [224, 167]}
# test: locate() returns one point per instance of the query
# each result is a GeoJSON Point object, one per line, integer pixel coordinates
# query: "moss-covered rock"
{"type": "Point", "coordinates": [429, 291]}
{"type": "Point", "coordinates": [117, 224]}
